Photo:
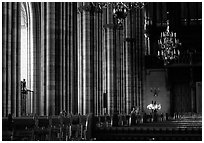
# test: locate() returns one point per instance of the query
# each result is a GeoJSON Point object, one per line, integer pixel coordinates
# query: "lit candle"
{"type": "Point", "coordinates": [158, 53]}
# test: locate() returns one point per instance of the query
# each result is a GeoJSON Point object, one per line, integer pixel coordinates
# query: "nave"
{"type": "Point", "coordinates": [121, 71]}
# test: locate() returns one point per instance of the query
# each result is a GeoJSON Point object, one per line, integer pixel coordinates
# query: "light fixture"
{"type": "Point", "coordinates": [154, 107]}
{"type": "Point", "coordinates": [168, 46]}
{"type": "Point", "coordinates": [120, 9]}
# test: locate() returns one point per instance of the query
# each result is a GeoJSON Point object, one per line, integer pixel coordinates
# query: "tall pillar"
{"type": "Point", "coordinates": [4, 59]}
{"type": "Point", "coordinates": [90, 79]}
{"type": "Point", "coordinates": [111, 91]}
{"type": "Point", "coordinates": [50, 59]}
{"type": "Point", "coordinates": [128, 74]}
{"type": "Point", "coordinates": [86, 61]}
{"type": "Point", "coordinates": [42, 99]}
{"type": "Point", "coordinates": [54, 55]}
{"type": "Point", "coordinates": [135, 58]}
{"type": "Point", "coordinates": [10, 58]}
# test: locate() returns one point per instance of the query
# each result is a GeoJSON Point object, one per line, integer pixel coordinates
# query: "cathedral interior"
{"type": "Point", "coordinates": [101, 71]}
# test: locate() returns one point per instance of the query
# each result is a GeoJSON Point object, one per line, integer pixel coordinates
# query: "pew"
{"type": "Point", "coordinates": [74, 127]}
{"type": "Point", "coordinates": [66, 123]}
{"type": "Point", "coordinates": [56, 128]}
{"type": "Point", "coordinates": [24, 128]}
{"type": "Point", "coordinates": [7, 133]}
{"type": "Point", "coordinates": [102, 121]}
{"type": "Point", "coordinates": [109, 121]}
{"type": "Point", "coordinates": [42, 130]}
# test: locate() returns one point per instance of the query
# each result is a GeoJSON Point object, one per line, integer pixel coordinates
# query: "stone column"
{"type": "Point", "coordinates": [138, 34]}
{"type": "Point", "coordinates": [11, 58]}
{"type": "Point", "coordinates": [135, 59]}
{"type": "Point", "coordinates": [87, 63]}
{"type": "Point", "coordinates": [42, 100]}
{"type": "Point", "coordinates": [128, 65]}
{"type": "Point", "coordinates": [90, 62]}
{"type": "Point", "coordinates": [111, 91]}
{"type": "Point", "coordinates": [50, 59]}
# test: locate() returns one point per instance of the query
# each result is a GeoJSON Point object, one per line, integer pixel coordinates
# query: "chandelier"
{"type": "Point", "coordinates": [168, 46]}
{"type": "Point", "coordinates": [154, 106]}
{"type": "Point", "coordinates": [120, 9]}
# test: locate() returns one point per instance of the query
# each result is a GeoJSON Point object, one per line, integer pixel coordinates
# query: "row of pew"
{"type": "Point", "coordinates": [71, 127]}
{"type": "Point", "coordinates": [128, 120]}
{"type": "Point", "coordinates": [45, 128]}
{"type": "Point", "coordinates": [78, 127]}
{"type": "Point", "coordinates": [148, 128]}
{"type": "Point", "coordinates": [148, 134]}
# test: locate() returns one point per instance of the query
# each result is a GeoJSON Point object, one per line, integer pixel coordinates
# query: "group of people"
{"type": "Point", "coordinates": [135, 110]}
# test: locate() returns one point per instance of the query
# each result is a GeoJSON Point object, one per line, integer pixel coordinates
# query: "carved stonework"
{"type": "Point", "coordinates": [89, 8]}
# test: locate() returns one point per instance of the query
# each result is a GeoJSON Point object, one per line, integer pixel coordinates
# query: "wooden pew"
{"type": "Point", "coordinates": [24, 128]}
{"type": "Point", "coordinates": [66, 125]}
{"type": "Point", "coordinates": [56, 128]}
{"type": "Point", "coordinates": [169, 130]}
{"type": "Point", "coordinates": [42, 131]}
{"type": "Point", "coordinates": [74, 127]}
{"type": "Point", "coordinates": [7, 133]}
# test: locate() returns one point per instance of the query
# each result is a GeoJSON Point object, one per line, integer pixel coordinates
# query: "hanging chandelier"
{"type": "Point", "coordinates": [120, 9]}
{"type": "Point", "coordinates": [168, 46]}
